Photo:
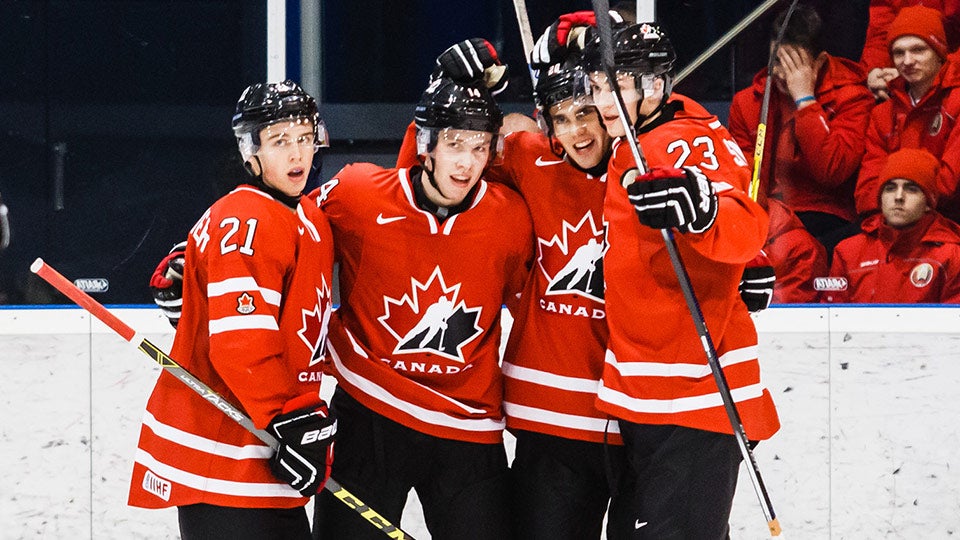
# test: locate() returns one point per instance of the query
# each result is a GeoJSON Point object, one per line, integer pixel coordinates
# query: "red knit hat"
{"type": "Point", "coordinates": [916, 165]}
{"type": "Point", "coordinates": [923, 22]}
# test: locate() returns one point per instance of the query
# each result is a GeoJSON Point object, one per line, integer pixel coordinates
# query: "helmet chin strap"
{"type": "Point", "coordinates": [262, 185]}
{"type": "Point", "coordinates": [433, 180]}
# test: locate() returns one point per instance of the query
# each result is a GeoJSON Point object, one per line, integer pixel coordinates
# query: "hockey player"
{"type": "Point", "coordinates": [257, 295]}
{"type": "Point", "coordinates": [682, 455]}
{"type": "Point", "coordinates": [552, 364]}
{"type": "Point", "coordinates": [428, 256]}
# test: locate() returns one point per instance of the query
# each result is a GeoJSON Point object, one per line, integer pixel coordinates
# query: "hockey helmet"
{"type": "Point", "coordinates": [642, 49]}
{"type": "Point", "coordinates": [564, 80]}
{"type": "Point", "coordinates": [448, 104]}
{"type": "Point", "coordinates": [263, 104]}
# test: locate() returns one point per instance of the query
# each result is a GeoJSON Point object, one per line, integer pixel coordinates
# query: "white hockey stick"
{"type": "Point", "coordinates": [526, 34]}
{"type": "Point", "coordinates": [84, 300]}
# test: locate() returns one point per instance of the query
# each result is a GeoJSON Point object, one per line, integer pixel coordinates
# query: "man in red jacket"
{"type": "Point", "coordinates": [875, 59]}
{"type": "Point", "coordinates": [907, 254]}
{"type": "Point", "coordinates": [819, 109]}
{"type": "Point", "coordinates": [921, 112]}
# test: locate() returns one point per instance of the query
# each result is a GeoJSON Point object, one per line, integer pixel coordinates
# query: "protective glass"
{"type": "Point", "coordinates": [572, 115]}
{"type": "Point", "coordinates": [484, 146]}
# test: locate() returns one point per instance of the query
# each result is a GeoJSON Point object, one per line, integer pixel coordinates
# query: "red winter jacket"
{"type": "Point", "coordinates": [882, 12]}
{"type": "Point", "coordinates": [920, 264]}
{"type": "Point", "coordinates": [797, 257]}
{"type": "Point", "coordinates": [930, 124]}
{"type": "Point", "coordinates": [810, 156]}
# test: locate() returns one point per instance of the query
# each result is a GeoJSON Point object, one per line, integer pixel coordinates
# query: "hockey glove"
{"type": "Point", "coordinates": [667, 197]}
{"type": "Point", "coordinates": [474, 60]}
{"type": "Point", "coordinates": [756, 283]}
{"type": "Point", "coordinates": [166, 284]}
{"type": "Point", "coordinates": [305, 454]}
{"type": "Point", "coordinates": [551, 47]}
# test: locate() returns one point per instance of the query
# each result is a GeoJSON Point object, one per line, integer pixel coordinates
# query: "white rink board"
{"type": "Point", "coordinates": [869, 448]}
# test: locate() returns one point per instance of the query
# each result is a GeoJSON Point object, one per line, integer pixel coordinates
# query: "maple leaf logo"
{"type": "Point", "coordinates": [245, 304]}
{"type": "Point", "coordinates": [313, 332]}
{"type": "Point", "coordinates": [573, 260]}
{"type": "Point", "coordinates": [431, 318]}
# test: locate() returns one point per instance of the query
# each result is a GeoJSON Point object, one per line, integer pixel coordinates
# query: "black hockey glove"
{"type": "Point", "coordinates": [551, 47]}
{"type": "Point", "coordinates": [667, 197]}
{"type": "Point", "coordinates": [473, 60]}
{"type": "Point", "coordinates": [166, 284]}
{"type": "Point", "coordinates": [756, 283]}
{"type": "Point", "coordinates": [305, 454]}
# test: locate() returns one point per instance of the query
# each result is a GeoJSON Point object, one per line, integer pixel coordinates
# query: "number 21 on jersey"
{"type": "Point", "coordinates": [231, 240]}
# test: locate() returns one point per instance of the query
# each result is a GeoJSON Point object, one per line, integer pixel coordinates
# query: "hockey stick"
{"type": "Point", "coordinates": [726, 38]}
{"type": "Point", "coordinates": [601, 8]}
{"type": "Point", "coordinates": [526, 34]}
{"type": "Point", "coordinates": [82, 299]}
{"type": "Point", "coordinates": [765, 107]}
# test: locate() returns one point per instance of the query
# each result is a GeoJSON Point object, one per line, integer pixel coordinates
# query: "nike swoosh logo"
{"type": "Point", "coordinates": [541, 163]}
{"type": "Point", "coordinates": [301, 230]}
{"type": "Point", "coordinates": [384, 220]}
{"type": "Point", "coordinates": [639, 524]}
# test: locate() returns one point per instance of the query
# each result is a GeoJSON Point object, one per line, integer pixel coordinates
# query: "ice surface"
{"type": "Point", "coordinates": [869, 447]}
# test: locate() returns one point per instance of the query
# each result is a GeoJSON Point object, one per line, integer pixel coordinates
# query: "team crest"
{"type": "Point", "coordinates": [245, 304]}
{"type": "Point", "coordinates": [921, 275]}
{"type": "Point", "coordinates": [315, 320]}
{"type": "Point", "coordinates": [431, 318]}
{"type": "Point", "coordinates": [573, 260]}
{"type": "Point", "coordinates": [936, 124]}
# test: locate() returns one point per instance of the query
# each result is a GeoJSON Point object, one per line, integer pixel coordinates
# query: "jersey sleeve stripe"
{"type": "Point", "coordinates": [213, 485]}
{"type": "Point", "coordinates": [203, 444]}
{"type": "Point", "coordinates": [243, 322]}
{"type": "Point", "coordinates": [678, 405]}
{"type": "Point", "coordinates": [544, 378]}
{"type": "Point", "coordinates": [553, 418]}
{"type": "Point", "coordinates": [242, 284]}
{"type": "Point", "coordinates": [693, 371]}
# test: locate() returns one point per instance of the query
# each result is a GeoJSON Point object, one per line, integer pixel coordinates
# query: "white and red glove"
{"type": "Point", "coordinates": [166, 284]}
{"type": "Point", "coordinates": [551, 47]}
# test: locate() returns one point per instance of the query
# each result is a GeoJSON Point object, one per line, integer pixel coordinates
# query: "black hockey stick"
{"type": "Point", "coordinates": [82, 299]}
{"type": "Point", "coordinates": [601, 9]}
{"type": "Point", "coordinates": [765, 107]}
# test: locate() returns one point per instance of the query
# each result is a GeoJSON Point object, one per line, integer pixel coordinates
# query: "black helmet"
{"type": "Point", "coordinates": [449, 104]}
{"type": "Point", "coordinates": [564, 80]}
{"type": "Point", "coordinates": [263, 104]}
{"type": "Point", "coordinates": [642, 48]}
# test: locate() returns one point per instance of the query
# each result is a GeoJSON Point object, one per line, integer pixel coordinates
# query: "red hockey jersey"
{"type": "Point", "coordinates": [554, 356]}
{"type": "Point", "coordinates": [256, 301]}
{"type": "Point", "coordinates": [416, 338]}
{"type": "Point", "coordinates": [656, 370]}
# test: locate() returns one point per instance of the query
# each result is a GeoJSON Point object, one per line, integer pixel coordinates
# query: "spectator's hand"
{"type": "Point", "coordinates": [878, 80]}
{"type": "Point", "coordinates": [799, 71]}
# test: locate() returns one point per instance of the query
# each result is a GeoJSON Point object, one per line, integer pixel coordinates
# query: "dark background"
{"type": "Point", "coordinates": [114, 115]}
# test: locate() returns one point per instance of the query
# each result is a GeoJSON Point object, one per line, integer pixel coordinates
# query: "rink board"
{"type": "Point", "coordinates": [868, 399]}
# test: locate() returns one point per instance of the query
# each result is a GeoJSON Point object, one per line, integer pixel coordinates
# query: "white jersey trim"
{"type": "Point", "coordinates": [678, 405]}
{"type": "Point", "coordinates": [438, 418]}
{"type": "Point", "coordinates": [553, 418]}
{"type": "Point", "coordinates": [214, 485]}
{"type": "Point", "coordinates": [203, 444]}
{"type": "Point", "coordinates": [243, 322]}
{"type": "Point", "coordinates": [552, 380]}
{"type": "Point", "coordinates": [242, 284]}
{"type": "Point", "coordinates": [694, 371]}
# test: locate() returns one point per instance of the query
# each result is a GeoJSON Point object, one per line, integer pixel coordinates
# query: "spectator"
{"type": "Point", "coordinates": [921, 112]}
{"type": "Point", "coordinates": [818, 113]}
{"type": "Point", "coordinates": [909, 253]}
{"type": "Point", "coordinates": [875, 58]}
{"type": "Point", "coordinates": [796, 256]}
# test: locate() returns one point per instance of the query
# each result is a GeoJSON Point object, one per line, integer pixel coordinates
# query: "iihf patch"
{"type": "Point", "coordinates": [921, 275]}
{"type": "Point", "coordinates": [245, 304]}
{"type": "Point", "coordinates": [830, 284]}
{"type": "Point", "coordinates": [156, 485]}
